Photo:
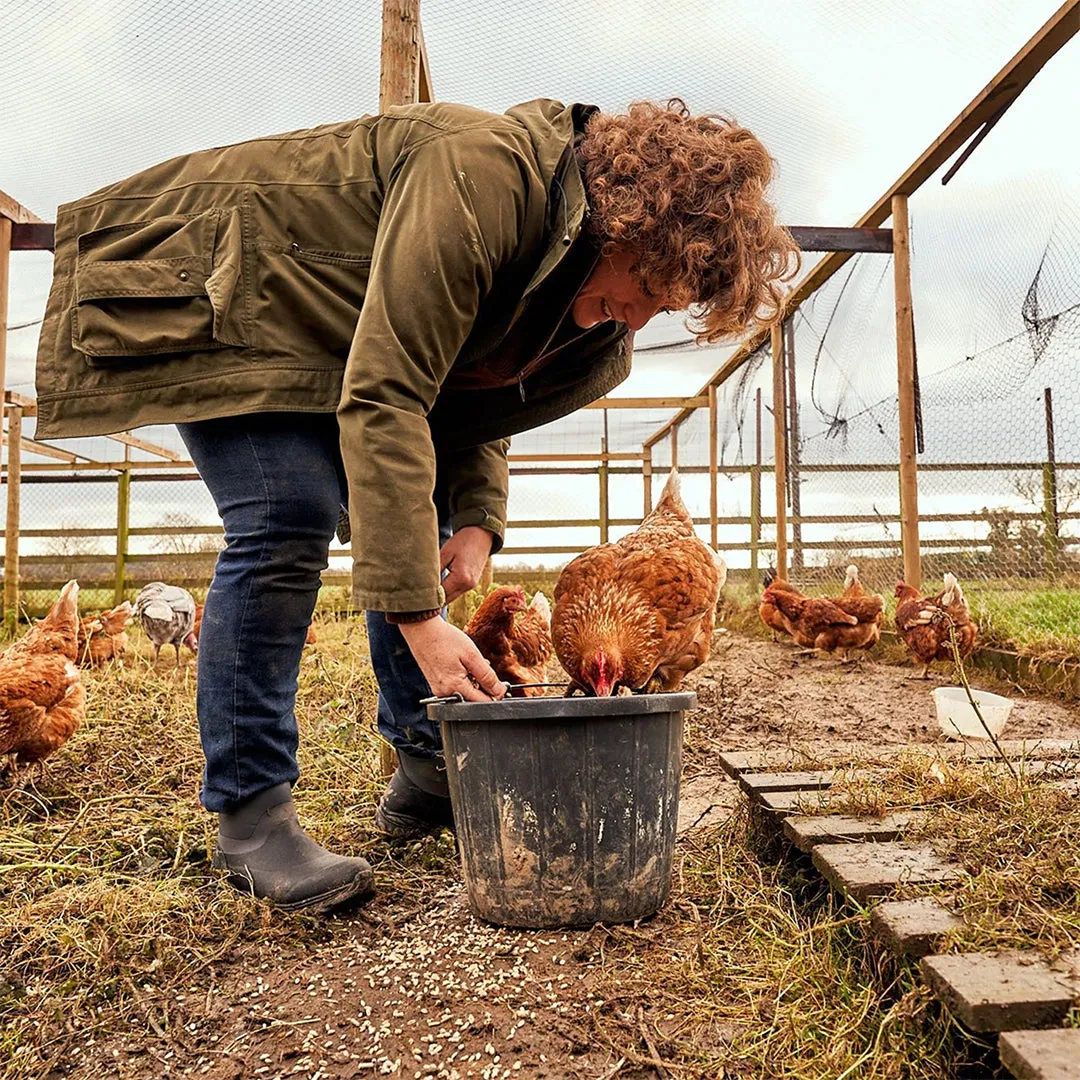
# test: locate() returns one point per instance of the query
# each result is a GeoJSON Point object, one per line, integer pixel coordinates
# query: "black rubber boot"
{"type": "Point", "coordinates": [269, 856]}
{"type": "Point", "coordinates": [417, 799]}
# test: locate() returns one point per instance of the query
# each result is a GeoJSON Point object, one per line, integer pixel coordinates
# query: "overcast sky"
{"type": "Point", "coordinates": [845, 93]}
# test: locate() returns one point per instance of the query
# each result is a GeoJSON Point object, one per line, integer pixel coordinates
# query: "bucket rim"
{"type": "Point", "coordinates": [562, 708]}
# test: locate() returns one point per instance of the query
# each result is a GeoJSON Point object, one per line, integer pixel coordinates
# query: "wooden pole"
{"type": "Point", "coordinates": [646, 479]}
{"type": "Point", "coordinates": [123, 525]}
{"type": "Point", "coordinates": [779, 448]}
{"type": "Point", "coordinates": [399, 71]}
{"type": "Point", "coordinates": [794, 480]}
{"type": "Point", "coordinates": [11, 526]}
{"type": "Point", "coordinates": [399, 84]}
{"type": "Point", "coordinates": [604, 492]}
{"type": "Point", "coordinates": [755, 501]}
{"type": "Point", "coordinates": [905, 384]}
{"type": "Point", "coordinates": [5, 266]}
{"type": "Point", "coordinates": [1051, 521]}
{"type": "Point", "coordinates": [675, 447]}
{"type": "Point", "coordinates": [714, 528]}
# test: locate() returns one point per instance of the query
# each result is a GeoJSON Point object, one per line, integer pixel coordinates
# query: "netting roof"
{"type": "Point", "coordinates": [844, 94]}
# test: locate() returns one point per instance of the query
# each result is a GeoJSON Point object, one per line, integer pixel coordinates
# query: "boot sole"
{"type": "Point", "coordinates": [352, 893]}
{"type": "Point", "coordinates": [405, 827]}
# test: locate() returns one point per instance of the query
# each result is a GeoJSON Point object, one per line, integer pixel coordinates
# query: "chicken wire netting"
{"type": "Point", "coordinates": [111, 88]}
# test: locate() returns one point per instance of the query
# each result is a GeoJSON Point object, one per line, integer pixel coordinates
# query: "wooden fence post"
{"type": "Point", "coordinates": [674, 446]}
{"type": "Point", "coordinates": [401, 58]}
{"type": "Point", "coordinates": [123, 524]}
{"type": "Point", "coordinates": [11, 526]}
{"type": "Point", "coordinates": [755, 498]}
{"type": "Point", "coordinates": [714, 528]}
{"type": "Point", "coordinates": [1051, 521]}
{"type": "Point", "coordinates": [905, 375]}
{"type": "Point", "coordinates": [794, 480]}
{"type": "Point", "coordinates": [646, 479]}
{"type": "Point", "coordinates": [5, 266]}
{"type": "Point", "coordinates": [779, 448]}
{"type": "Point", "coordinates": [605, 515]}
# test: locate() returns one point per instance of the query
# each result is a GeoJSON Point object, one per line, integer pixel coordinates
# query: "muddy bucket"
{"type": "Point", "coordinates": [565, 808]}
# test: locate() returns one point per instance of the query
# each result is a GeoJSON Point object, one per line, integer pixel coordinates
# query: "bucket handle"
{"type": "Point", "coordinates": [457, 699]}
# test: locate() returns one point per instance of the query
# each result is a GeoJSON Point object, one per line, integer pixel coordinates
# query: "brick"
{"type": "Point", "coordinates": [999, 992]}
{"type": "Point", "coordinates": [752, 783]}
{"type": "Point", "coordinates": [807, 831]}
{"type": "Point", "coordinates": [912, 927]}
{"type": "Point", "coordinates": [1053, 1054]}
{"type": "Point", "coordinates": [865, 871]}
{"type": "Point", "coordinates": [790, 802]}
{"type": "Point", "coordinates": [780, 759]}
{"type": "Point", "coordinates": [735, 762]}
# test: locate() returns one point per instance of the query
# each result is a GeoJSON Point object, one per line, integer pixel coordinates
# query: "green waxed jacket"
{"type": "Point", "coordinates": [410, 271]}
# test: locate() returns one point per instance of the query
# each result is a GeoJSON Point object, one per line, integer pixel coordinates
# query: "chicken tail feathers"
{"type": "Point", "coordinates": [65, 611]}
{"type": "Point", "coordinates": [721, 567]}
{"type": "Point", "coordinates": [952, 595]}
{"type": "Point", "coordinates": [670, 501]}
{"type": "Point", "coordinates": [542, 607]}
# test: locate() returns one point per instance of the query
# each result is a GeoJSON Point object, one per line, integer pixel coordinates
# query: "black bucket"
{"type": "Point", "coordinates": [565, 808]}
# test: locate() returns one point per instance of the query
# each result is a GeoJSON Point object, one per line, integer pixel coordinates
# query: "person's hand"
{"type": "Point", "coordinates": [464, 555]}
{"type": "Point", "coordinates": [447, 657]}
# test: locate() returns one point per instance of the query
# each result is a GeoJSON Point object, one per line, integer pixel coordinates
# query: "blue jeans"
{"type": "Point", "coordinates": [278, 482]}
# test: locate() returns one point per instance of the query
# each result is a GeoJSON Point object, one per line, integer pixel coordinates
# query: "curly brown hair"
{"type": "Point", "coordinates": [687, 194]}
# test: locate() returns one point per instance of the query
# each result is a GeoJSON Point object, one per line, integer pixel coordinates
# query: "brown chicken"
{"type": "Point", "coordinates": [638, 614]}
{"type": "Point", "coordinates": [102, 637]}
{"type": "Point", "coordinates": [924, 622]}
{"type": "Point", "coordinates": [867, 607]}
{"type": "Point", "coordinates": [770, 614]}
{"type": "Point", "coordinates": [514, 637]}
{"type": "Point", "coordinates": [311, 638]}
{"type": "Point", "coordinates": [42, 700]}
{"type": "Point", "coordinates": [813, 621]}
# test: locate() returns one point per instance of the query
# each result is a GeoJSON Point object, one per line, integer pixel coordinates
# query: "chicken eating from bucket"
{"type": "Point", "coordinates": [637, 615]}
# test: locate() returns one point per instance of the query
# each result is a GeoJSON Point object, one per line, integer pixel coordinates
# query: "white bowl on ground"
{"type": "Point", "coordinates": [958, 720]}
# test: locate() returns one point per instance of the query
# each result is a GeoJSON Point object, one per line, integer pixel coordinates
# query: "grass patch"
{"type": "Point", "coordinates": [1013, 838]}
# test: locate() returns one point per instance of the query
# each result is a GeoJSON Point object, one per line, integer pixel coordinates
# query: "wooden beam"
{"type": "Point", "coordinates": [713, 459]}
{"type": "Point", "coordinates": [14, 211]}
{"type": "Point", "coordinates": [32, 236]}
{"type": "Point", "coordinates": [424, 91]}
{"type": "Point", "coordinates": [11, 526]}
{"type": "Point", "coordinates": [31, 446]}
{"type": "Point", "coordinates": [779, 448]}
{"type": "Point", "coordinates": [1010, 81]}
{"type": "Point", "coordinates": [825, 238]}
{"type": "Point", "coordinates": [149, 447]}
{"type": "Point", "coordinates": [399, 71]}
{"type": "Point", "coordinates": [1004, 87]}
{"type": "Point", "coordinates": [698, 401]}
{"type": "Point", "coordinates": [905, 377]}
{"type": "Point", "coordinates": [27, 404]}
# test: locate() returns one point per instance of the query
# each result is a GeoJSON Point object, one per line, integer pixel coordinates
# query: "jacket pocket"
{"type": "Point", "coordinates": [307, 300]}
{"type": "Point", "coordinates": [171, 284]}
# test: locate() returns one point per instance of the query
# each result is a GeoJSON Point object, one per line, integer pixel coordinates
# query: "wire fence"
{"type": "Point", "coordinates": [995, 287]}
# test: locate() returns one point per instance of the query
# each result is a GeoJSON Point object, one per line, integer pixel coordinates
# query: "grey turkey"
{"type": "Point", "coordinates": [167, 616]}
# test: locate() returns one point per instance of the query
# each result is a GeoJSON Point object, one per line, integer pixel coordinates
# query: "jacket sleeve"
{"type": "Point", "coordinates": [477, 481]}
{"type": "Point", "coordinates": [456, 209]}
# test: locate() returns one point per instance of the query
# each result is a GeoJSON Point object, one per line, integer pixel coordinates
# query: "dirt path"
{"type": "Point", "coordinates": [432, 992]}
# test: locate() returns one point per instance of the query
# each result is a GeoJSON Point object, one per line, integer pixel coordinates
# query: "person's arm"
{"type": "Point", "coordinates": [476, 479]}
{"type": "Point", "coordinates": [457, 208]}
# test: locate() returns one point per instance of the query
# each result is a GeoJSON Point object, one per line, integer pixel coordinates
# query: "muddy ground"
{"type": "Point", "coordinates": [431, 992]}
